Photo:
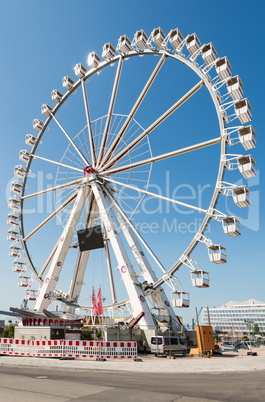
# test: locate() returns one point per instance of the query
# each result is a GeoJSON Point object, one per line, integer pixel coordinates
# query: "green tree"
{"type": "Point", "coordinates": [9, 331]}
{"type": "Point", "coordinates": [256, 328]}
{"type": "Point", "coordinates": [86, 334]}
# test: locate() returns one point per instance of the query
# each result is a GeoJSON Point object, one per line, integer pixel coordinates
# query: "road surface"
{"type": "Point", "coordinates": [30, 384]}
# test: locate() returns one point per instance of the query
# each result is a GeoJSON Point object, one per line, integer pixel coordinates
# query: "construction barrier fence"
{"type": "Point", "coordinates": [67, 348]}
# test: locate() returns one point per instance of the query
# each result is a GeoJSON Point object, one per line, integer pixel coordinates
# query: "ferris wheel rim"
{"type": "Point", "coordinates": [165, 53]}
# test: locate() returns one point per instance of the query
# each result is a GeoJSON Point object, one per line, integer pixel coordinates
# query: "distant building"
{"type": "Point", "coordinates": [237, 316]}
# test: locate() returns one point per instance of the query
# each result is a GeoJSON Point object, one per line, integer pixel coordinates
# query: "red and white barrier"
{"type": "Point", "coordinates": [65, 348]}
{"type": "Point", "coordinates": [18, 347]}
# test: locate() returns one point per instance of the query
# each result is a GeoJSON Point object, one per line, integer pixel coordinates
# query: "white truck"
{"type": "Point", "coordinates": [169, 345]}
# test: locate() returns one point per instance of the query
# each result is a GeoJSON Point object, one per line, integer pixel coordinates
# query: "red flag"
{"type": "Point", "coordinates": [100, 305]}
{"type": "Point", "coordinates": [94, 304]}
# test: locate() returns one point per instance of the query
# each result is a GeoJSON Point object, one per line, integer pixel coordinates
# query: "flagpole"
{"type": "Point", "coordinates": [94, 311]}
{"type": "Point", "coordinates": [100, 309]}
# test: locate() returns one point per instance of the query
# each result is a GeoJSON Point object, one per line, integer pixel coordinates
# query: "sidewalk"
{"type": "Point", "coordinates": [219, 363]}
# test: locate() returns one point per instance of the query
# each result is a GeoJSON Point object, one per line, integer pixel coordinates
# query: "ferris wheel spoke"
{"type": "Point", "coordinates": [137, 155]}
{"type": "Point", "coordinates": [167, 155]}
{"type": "Point", "coordinates": [63, 178]}
{"type": "Point", "coordinates": [89, 126]}
{"type": "Point", "coordinates": [71, 141]}
{"type": "Point", "coordinates": [47, 190]}
{"type": "Point", "coordinates": [134, 110]}
{"type": "Point", "coordinates": [52, 215]}
{"type": "Point", "coordinates": [83, 141]}
{"type": "Point", "coordinates": [155, 124]}
{"type": "Point", "coordinates": [110, 111]}
{"type": "Point", "coordinates": [156, 195]}
{"type": "Point", "coordinates": [57, 163]}
{"type": "Point", "coordinates": [72, 157]}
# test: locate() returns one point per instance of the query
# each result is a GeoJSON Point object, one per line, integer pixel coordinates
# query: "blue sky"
{"type": "Point", "coordinates": [42, 41]}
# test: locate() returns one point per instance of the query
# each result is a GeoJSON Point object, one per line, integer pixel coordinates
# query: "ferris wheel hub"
{"type": "Point", "coordinates": [89, 170]}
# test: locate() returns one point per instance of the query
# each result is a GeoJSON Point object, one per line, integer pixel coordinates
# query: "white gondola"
{"type": "Point", "coordinates": [12, 219]}
{"type": "Point", "coordinates": [247, 166]}
{"type": "Point", "coordinates": [247, 137]}
{"type": "Point", "coordinates": [108, 51]}
{"type": "Point", "coordinates": [56, 96]}
{"type": "Point", "coordinates": [235, 87]}
{"type": "Point", "coordinates": [182, 299]}
{"type": "Point", "coordinates": [193, 43]}
{"type": "Point", "coordinates": [38, 124]}
{"type": "Point", "coordinates": [67, 82]}
{"type": "Point", "coordinates": [24, 281]}
{"type": "Point", "coordinates": [19, 266]}
{"type": "Point", "coordinates": [24, 155]}
{"type": "Point", "coordinates": [241, 196]}
{"type": "Point", "coordinates": [175, 38]}
{"type": "Point", "coordinates": [15, 251]}
{"type": "Point", "coordinates": [16, 187]}
{"type": "Point", "coordinates": [158, 37]}
{"type": "Point", "coordinates": [231, 226]}
{"type": "Point", "coordinates": [13, 235]}
{"type": "Point", "coordinates": [20, 171]}
{"type": "Point", "coordinates": [14, 203]}
{"type": "Point", "coordinates": [243, 111]}
{"type": "Point", "coordinates": [30, 140]}
{"type": "Point", "coordinates": [141, 39]}
{"type": "Point", "coordinates": [209, 53]}
{"type": "Point", "coordinates": [80, 70]}
{"type": "Point", "coordinates": [93, 60]}
{"type": "Point", "coordinates": [124, 44]}
{"type": "Point", "coordinates": [217, 254]}
{"type": "Point", "coordinates": [31, 295]}
{"type": "Point", "coordinates": [46, 110]}
{"type": "Point", "coordinates": [223, 68]}
{"type": "Point", "coordinates": [200, 278]}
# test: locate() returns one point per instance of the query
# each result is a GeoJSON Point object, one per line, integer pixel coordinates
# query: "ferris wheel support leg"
{"type": "Point", "coordinates": [82, 258]}
{"type": "Point", "coordinates": [77, 282]}
{"type": "Point", "coordinates": [46, 293]}
{"type": "Point", "coordinates": [133, 287]}
{"type": "Point", "coordinates": [110, 272]}
{"type": "Point", "coordinates": [158, 295]}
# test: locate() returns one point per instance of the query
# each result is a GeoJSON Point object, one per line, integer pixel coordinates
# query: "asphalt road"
{"type": "Point", "coordinates": [33, 384]}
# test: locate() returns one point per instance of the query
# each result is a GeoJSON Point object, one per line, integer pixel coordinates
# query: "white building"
{"type": "Point", "coordinates": [236, 316]}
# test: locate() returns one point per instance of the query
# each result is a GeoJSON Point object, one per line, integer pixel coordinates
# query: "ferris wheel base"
{"type": "Point", "coordinates": [52, 325]}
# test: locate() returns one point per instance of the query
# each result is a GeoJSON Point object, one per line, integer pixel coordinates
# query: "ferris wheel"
{"type": "Point", "coordinates": [100, 157]}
